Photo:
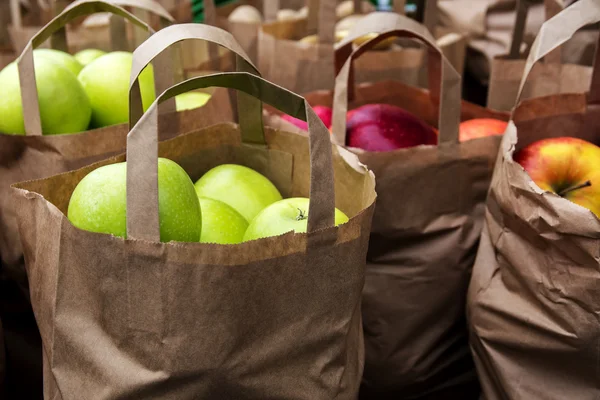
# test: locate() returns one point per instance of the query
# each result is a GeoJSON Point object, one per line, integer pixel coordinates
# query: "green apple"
{"type": "Point", "coordinates": [242, 188]}
{"type": "Point", "coordinates": [191, 100]}
{"type": "Point", "coordinates": [221, 223]}
{"type": "Point", "coordinates": [106, 82]}
{"type": "Point", "coordinates": [284, 216]}
{"type": "Point", "coordinates": [60, 57]}
{"type": "Point", "coordinates": [99, 202]}
{"type": "Point", "coordinates": [64, 106]}
{"type": "Point", "coordinates": [88, 55]}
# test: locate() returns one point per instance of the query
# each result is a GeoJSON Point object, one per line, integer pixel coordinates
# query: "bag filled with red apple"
{"type": "Point", "coordinates": [69, 116]}
{"type": "Point", "coordinates": [551, 76]}
{"type": "Point", "coordinates": [196, 269]}
{"type": "Point", "coordinates": [534, 295]}
{"type": "Point", "coordinates": [428, 216]}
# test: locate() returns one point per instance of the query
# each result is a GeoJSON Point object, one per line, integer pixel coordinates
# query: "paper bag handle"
{"type": "Point", "coordinates": [444, 81]}
{"type": "Point", "coordinates": [399, 6]}
{"type": "Point", "coordinates": [250, 120]}
{"type": "Point", "coordinates": [551, 7]}
{"type": "Point", "coordinates": [29, 97]}
{"type": "Point", "coordinates": [557, 31]}
{"type": "Point", "coordinates": [142, 153]}
{"type": "Point", "coordinates": [430, 15]}
{"type": "Point", "coordinates": [321, 17]}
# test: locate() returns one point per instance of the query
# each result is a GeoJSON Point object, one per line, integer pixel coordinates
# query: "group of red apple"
{"type": "Point", "coordinates": [385, 127]}
{"type": "Point", "coordinates": [567, 166]}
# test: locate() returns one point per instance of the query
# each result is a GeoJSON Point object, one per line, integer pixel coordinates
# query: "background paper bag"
{"type": "Point", "coordinates": [34, 156]}
{"type": "Point", "coordinates": [549, 77]}
{"type": "Point", "coordinates": [425, 230]}
{"type": "Point", "coordinates": [534, 294]}
{"type": "Point", "coordinates": [23, 25]}
{"type": "Point", "coordinates": [300, 67]}
{"type": "Point", "coordinates": [200, 58]}
{"type": "Point", "coordinates": [109, 32]}
{"type": "Point", "coordinates": [452, 42]}
{"type": "Point", "coordinates": [272, 318]}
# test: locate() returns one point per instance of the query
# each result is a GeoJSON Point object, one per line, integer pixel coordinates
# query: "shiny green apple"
{"type": "Point", "coordinates": [221, 223]}
{"type": "Point", "coordinates": [106, 82]}
{"type": "Point", "coordinates": [99, 202]}
{"type": "Point", "coordinates": [63, 104]}
{"type": "Point", "coordinates": [88, 55]}
{"type": "Point", "coordinates": [65, 59]}
{"type": "Point", "coordinates": [284, 216]}
{"type": "Point", "coordinates": [191, 100]}
{"type": "Point", "coordinates": [242, 188]}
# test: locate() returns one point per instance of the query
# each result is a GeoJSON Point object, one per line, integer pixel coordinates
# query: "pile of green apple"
{"type": "Point", "coordinates": [229, 204]}
{"type": "Point", "coordinates": [76, 93]}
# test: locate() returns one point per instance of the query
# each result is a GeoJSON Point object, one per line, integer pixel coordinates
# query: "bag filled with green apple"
{"type": "Point", "coordinates": [431, 190]}
{"type": "Point", "coordinates": [535, 291]}
{"type": "Point", "coordinates": [224, 263]}
{"type": "Point", "coordinates": [69, 116]}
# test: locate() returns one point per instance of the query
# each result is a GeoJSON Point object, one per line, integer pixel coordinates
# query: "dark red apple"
{"type": "Point", "coordinates": [481, 127]}
{"type": "Point", "coordinates": [324, 113]}
{"type": "Point", "coordinates": [383, 127]}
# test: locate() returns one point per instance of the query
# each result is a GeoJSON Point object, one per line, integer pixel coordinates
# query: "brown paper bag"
{"type": "Point", "coordinates": [34, 156]}
{"type": "Point", "coordinates": [5, 43]}
{"type": "Point", "coordinates": [549, 77]}
{"type": "Point", "coordinates": [452, 42]}
{"type": "Point", "coordinates": [2, 359]}
{"type": "Point", "coordinates": [534, 292]}
{"type": "Point", "coordinates": [425, 230]}
{"type": "Point", "coordinates": [110, 32]}
{"type": "Point", "coordinates": [201, 58]}
{"type": "Point", "coordinates": [22, 27]}
{"type": "Point", "coordinates": [6, 58]}
{"type": "Point", "coordinates": [306, 67]}
{"type": "Point", "coordinates": [272, 318]}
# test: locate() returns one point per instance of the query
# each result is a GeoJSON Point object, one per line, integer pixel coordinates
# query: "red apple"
{"type": "Point", "coordinates": [481, 127]}
{"type": "Point", "coordinates": [325, 113]}
{"type": "Point", "coordinates": [383, 127]}
{"type": "Point", "coordinates": [567, 166]}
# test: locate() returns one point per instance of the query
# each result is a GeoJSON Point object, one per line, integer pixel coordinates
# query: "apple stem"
{"type": "Point", "coordinates": [301, 216]}
{"type": "Point", "coordinates": [572, 188]}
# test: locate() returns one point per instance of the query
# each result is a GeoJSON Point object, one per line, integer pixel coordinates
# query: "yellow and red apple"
{"type": "Point", "coordinates": [567, 166]}
{"type": "Point", "coordinates": [481, 127]}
